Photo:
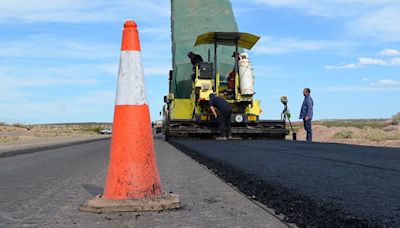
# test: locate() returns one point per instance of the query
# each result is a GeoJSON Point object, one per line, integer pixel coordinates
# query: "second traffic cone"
{"type": "Point", "coordinates": [133, 182]}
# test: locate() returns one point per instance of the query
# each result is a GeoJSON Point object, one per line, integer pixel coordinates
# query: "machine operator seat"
{"type": "Point", "coordinates": [206, 70]}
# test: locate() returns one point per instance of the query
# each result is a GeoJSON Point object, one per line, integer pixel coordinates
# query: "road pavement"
{"type": "Point", "coordinates": [45, 189]}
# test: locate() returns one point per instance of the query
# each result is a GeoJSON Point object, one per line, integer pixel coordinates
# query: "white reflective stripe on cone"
{"type": "Point", "coordinates": [131, 88]}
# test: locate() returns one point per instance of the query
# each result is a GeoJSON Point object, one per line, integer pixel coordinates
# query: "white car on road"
{"type": "Point", "coordinates": [106, 131]}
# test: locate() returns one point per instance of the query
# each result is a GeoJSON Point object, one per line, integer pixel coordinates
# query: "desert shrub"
{"type": "Point", "coordinates": [393, 136]}
{"type": "Point", "coordinates": [373, 123]}
{"type": "Point", "coordinates": [367, 129]}
{"type": "Point", "coordinates": [95, 129]}
{"type": "Point", "coordinates": [345, 134]}
{"type": "Point", "coordinates": [18, 125]}
{"type": "Point", "coordinates": [396, 119]}
{"type": "Point", "coordinates": [389, 128]}
{"type": "Point", "coordinates": [377, 135]}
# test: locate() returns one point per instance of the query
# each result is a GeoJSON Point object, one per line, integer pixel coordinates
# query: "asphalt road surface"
{"type": "Point", "coordinates": [313, 185]}
{"type": "Point", "coordinates": [45, 189]}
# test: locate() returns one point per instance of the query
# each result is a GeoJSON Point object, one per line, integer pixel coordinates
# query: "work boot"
{"type": "Point", "coordinates": [220, 138]}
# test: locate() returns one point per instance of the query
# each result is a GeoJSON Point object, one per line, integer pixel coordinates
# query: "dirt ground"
{"type": "Point", "coordinates": [384, 136]}
{"type": "Point", "coordinates": [17, 134]}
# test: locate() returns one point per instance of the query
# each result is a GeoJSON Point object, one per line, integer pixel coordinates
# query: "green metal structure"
{"type": "Point", "coordinates": [190, 18]}
{"type": "Point", "coordinates": [208, 28]}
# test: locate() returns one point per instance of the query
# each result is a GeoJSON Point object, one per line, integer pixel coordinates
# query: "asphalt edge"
{"type": "Point", "coordinates": [35, 149]}
{"type": "Point", "coordinates": [295, 208]}
{"type": "Point", "coordinates": [234, 188]}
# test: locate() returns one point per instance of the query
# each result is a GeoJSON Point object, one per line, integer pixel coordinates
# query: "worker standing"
{"type": "Point", "coordinates": [224, 116]}
{"type": "Point", "coordinates": [195, 59]}
{"type": "Point", "coordinates": [231, 78]}
{"type": "Point", "coordinates": [306, 113]}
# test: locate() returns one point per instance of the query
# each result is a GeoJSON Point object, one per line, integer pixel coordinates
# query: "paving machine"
{"type": "Point", "coordinates": [226, 71]}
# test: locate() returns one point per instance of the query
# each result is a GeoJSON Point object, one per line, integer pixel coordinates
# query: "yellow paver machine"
{"type": "Point", "coordinates": [226, 71]}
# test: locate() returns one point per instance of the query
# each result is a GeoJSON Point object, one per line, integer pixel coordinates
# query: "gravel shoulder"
{"type": "Point", "coordinates": [45, 190]}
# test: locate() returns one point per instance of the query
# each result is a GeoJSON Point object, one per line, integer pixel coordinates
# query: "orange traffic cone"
{"type": "Point", "coordinates": [133, 182]}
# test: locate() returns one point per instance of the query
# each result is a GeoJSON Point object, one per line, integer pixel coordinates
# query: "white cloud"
{"type": "Point", "coordinates": [363, 61]}
{"type": "Point", "coordinates": [381, 24]}
{"type": "Point", "coordinates": [390, 52]}
{"type": "Point", "coordinates": [55, 47]}
{"type": "Point", "coordinates": [371, 61]}
{"type": "Point", "coordinates": [331, 8]}
{"type": "Point", "coordinates": [377, 19]}
{"type": "Point", "coordinates": [81, 11]}
{"type": "Point", "coordinates": [395, 61]}
{"type": "Point", "coordinates": [44, 81]}
{"type": "Point", "coordinates": [382, 85]}
{"type": "Point", "coordinates": [275, 46]}
{"type": "Point", "coordinates": [386, 83]}
{"type": "Point", "coordinates": [344, 66]}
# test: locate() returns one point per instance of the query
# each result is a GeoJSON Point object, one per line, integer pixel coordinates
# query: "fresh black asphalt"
{"type": "Point", "coordinates": [313, 185]}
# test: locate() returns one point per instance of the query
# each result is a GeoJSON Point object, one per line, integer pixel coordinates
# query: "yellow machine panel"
{"type": "Point", "coordinates": [182, 109]}
{"type": "Point", "coordinates": [254, 109]}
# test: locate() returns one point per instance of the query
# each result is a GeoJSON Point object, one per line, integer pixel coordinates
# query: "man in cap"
{"type": "Point", "coordinates": [224, 116]}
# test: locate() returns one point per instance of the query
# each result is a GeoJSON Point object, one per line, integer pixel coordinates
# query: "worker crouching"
{"type": "Point", "coordinates": [224, 115]}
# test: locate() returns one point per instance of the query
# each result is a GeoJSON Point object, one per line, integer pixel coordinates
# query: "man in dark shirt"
{"type": "Point", "coordinates": [224, 117]}
{"type": "Point", "coordinates": [306, 113]}
{"type": "Point", "coordinates": [194, 59]}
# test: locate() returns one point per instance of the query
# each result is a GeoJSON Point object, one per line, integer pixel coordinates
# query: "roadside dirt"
{"type": "Point", "coordinates": [32, 135]}
{"type": "Point", "coordinates": [386, 137]}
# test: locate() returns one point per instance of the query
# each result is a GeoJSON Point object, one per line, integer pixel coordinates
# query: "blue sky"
{"type": "Point", "coordinates": [59, 59]}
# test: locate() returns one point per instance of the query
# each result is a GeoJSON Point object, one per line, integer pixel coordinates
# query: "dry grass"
{"type": "Point", "coordinates": [396, 119]}
{"type": "Point", "coordinates": [8, 139]}
{"type": "Point", "coordinates": [372, 123]}
{"type": "Point", "coordinates": [345, 134]}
